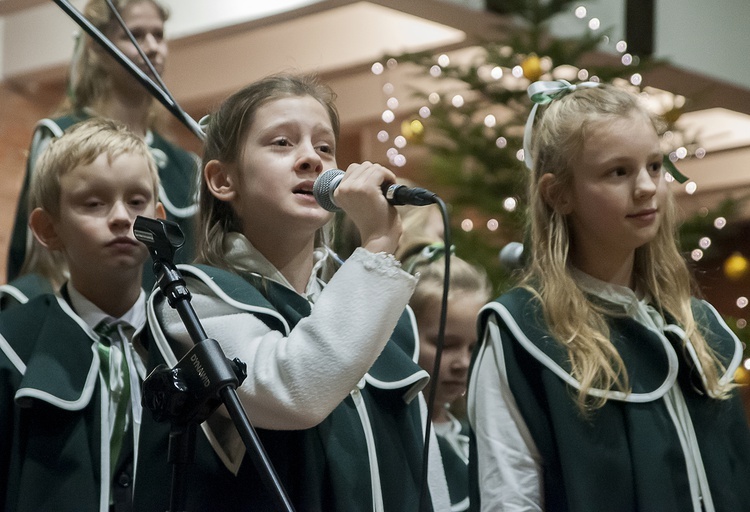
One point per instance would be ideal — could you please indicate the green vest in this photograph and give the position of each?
(51, 415)
(627, 455)
(20, 290)
(324, 468)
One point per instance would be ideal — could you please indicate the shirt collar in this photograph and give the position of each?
(635, 304)
(93, 315)
(241, 255)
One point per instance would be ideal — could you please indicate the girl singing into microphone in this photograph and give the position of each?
(333, 384)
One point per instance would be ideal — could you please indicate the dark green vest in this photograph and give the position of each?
(50, 410)
(20, 290)
(626, 456)
(324, 468)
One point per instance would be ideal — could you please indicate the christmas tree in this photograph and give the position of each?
(474, 110)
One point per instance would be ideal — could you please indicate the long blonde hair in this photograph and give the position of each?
(225, 137)
(427, 259)
(659, 269)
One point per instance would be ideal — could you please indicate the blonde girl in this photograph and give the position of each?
(601, 383)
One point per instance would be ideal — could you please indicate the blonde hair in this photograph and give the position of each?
(430, 265)
(88, 80)
(79, 145)
(659, 269)
(225, 137)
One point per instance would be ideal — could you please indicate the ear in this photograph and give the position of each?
(159, 211)
(219, 180)
(42, 224)
(554, 194)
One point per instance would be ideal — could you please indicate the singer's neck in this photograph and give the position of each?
(130, 109)
(293, 258)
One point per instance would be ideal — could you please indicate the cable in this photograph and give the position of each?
(439, 343)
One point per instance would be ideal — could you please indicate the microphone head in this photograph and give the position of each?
(324, 186)
(511, 256)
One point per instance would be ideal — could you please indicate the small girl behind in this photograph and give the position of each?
(469, 290)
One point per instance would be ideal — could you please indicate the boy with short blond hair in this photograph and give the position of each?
(70, 364)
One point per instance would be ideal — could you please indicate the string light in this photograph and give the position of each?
(510, 204)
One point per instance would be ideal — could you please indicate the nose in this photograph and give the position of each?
(309, 160)
(119, 216)
(645, 183)
(149, 44)
(461, 361)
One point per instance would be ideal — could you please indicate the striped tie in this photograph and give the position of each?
(117, 378)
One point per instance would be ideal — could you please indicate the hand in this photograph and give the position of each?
(360, 195)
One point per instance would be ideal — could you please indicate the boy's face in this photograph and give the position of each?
(98, 205)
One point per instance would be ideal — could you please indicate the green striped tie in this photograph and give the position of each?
(119, 398)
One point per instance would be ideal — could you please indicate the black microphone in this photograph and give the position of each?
(511, 256)
(327, 182)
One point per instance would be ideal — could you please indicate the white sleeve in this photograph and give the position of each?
(294, 382)
(508, 462)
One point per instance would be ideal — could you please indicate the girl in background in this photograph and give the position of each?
(600, 382)
(469, 290)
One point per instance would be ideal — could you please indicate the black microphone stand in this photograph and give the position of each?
(203, 379)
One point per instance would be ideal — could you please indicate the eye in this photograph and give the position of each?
(618, 171)
(93, 203)
(137, 202)
(283, 141)
(655, 167)
(325, 148)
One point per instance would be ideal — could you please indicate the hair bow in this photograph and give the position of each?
(428, 254)
(542, 93)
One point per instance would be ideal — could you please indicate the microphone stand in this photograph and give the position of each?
(203, 379)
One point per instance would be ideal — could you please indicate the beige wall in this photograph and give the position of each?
(18, 113)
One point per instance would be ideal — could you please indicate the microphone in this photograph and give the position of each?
(327, 182)
(511, 256)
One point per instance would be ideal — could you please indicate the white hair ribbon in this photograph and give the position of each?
(542, 93)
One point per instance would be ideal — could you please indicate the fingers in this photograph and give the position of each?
(363, 181)
(360, 195)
